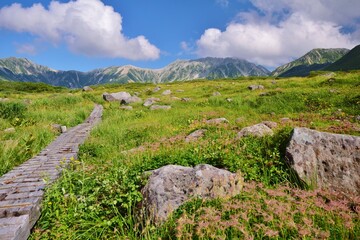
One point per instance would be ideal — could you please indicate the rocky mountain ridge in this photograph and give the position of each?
(18, 69)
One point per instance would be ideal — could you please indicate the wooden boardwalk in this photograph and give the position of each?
(22, 189)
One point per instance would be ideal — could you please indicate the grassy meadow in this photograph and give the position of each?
(98, 196)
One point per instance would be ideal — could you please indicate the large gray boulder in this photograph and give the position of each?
(119, 96)
(170, 186)
(325, 159)
(257, 130)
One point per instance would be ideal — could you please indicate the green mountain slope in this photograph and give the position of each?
(17, 69)
(351, 61)
(314, 60)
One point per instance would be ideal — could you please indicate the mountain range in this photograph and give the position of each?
(315, 60)
(23, 70)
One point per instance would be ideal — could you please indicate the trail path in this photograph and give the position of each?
(22, 189)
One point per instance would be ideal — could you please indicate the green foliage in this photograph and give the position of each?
(10, 110)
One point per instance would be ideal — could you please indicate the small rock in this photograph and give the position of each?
(258, 130)
(63, 129)
(216, 94)
(171, 186)
(87, 89)
(217, 121)
(195, 135)
(285, 120)
(270, 124)
(133, 99)
(255, 87)
(9, 130)
(156, 89)
(332, 91)
(166, 92)
(229, 100)
(272, 113)
(160, 107)
(150, 101)
(126, 108)
(119, 96)
(186, 99)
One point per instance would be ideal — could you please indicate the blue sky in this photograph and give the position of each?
(88, 34)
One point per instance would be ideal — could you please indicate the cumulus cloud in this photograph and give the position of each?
(87, 27)
(280, 30)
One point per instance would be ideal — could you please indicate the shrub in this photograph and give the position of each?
(10, 110)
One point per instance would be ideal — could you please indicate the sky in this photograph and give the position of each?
(88, 34)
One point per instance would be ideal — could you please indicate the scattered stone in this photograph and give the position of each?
(9, 130)
(87, 89)
(195, 135)
(270, 124)
(216, 94)
(186, 99)
(166, 92)
(217, 121)
(128, 108)
(119, 96)
(255, 87)
(150, 101)
(171, 186)
(326, 159)
(133, 99)
(257, 130)
(285, 120)
(160, 107)
(229, 100)
(63, 129)
(156, 89)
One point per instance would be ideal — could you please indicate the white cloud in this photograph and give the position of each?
(87, 26)
(26, 49)
(285, 30)
(223, 3)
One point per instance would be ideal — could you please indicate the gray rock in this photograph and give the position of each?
(150, 101)
(119, 96)
(255, 87)
(217, 121)
(257, 130)
(166, 92)
(229, 100)
(170, 186)
(325, 159)
(129, 108)
(156, 89)
(87, 89)
(9, 130)
(285, 120)
(160, 107)
(216, 94)
(270, 124)
(133, 99)
(195, 135)
(186, 99)
(63, 129)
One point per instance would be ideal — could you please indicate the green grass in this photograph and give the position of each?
(98, 196)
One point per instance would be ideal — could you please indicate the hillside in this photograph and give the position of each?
(351, 61)
(17, 69)
(314, 60)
